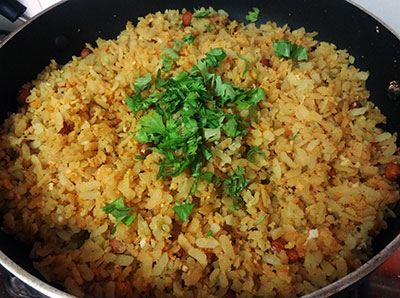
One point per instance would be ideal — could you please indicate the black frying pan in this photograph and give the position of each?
(63, 31)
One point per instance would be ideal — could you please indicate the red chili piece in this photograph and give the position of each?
(293, 256)
(277, 245)
(22, 95)
(265, 62)
(144, 149)
(355, 105)
(392, 171)
(187, 18)
(86, 52)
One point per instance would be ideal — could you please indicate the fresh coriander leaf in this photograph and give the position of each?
(160, 82)
(217, 181)
(282, 48)
(206, 152)
(150, 128)
(208, 27)
(140, 157)
(285, 49)
(260, 220)
(224, 90)
(255, 150)
(208, 176)
(201, 14)
(137, 103)
(177, 45)
(170, 53)
(234, 207)
(188, 38)
(190, 111)
(183, 211)
(255, 96)
(293, 137)
(235, 184)
(247, 63)
(252, 113)
(120, 212)
(231, 128)
(212, 134)
(213, 57)
(210, 234)
(299, 53)
(167, 63)
(142, 83)
(252, 16)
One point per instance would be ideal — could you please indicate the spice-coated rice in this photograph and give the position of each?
(321, 188)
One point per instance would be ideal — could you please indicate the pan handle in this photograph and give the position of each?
(11, 9)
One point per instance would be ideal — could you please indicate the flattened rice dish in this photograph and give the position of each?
(195, 156)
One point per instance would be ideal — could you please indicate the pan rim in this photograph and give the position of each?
(378, 19)
(31, 280)
(335, 287)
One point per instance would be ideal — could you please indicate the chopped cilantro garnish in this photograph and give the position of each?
(136, 102)
(260, 220)
(210, 234)
(167, 63)
(285, 49)
(189, 113)
(184, 210)
(208, 27)
(249, 64)
(177, 45)
(120, 212)
(201, 14)
(293, 137)
(234, 185)
(208, 176)
(188, 39)
(252, 16)
(142, 83)
(170, 55)
(140, 157)
(254, 150)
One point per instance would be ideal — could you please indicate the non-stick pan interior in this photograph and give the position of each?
(64, 30)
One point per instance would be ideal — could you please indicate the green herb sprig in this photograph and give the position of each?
(121, 212)
(189, 38)
(249, 65)
(260, 220)
(285, 49)
(189, 114)
(252, 16)
(234, 185)
(201, 14)
(183, 211)
(255, 150)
